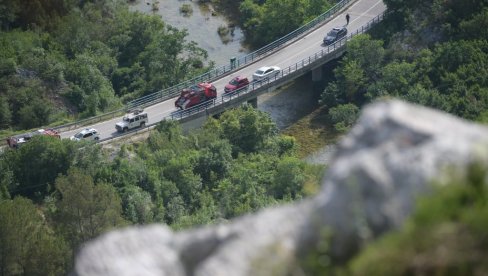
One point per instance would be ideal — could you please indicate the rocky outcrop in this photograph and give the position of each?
(388, 159)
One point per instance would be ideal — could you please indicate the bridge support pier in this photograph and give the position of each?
(317, 74)
(253, 102)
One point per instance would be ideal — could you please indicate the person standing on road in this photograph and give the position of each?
(347, 19)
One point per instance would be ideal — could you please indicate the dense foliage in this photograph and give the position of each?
(234, 165)
(437, 55)
(61, 59)
(264, 21)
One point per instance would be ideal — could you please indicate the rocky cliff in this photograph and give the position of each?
(387, 160)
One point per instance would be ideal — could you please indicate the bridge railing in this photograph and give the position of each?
(213, 74)
(177, 115)
(253, 86)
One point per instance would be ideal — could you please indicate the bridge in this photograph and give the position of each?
(297, 53)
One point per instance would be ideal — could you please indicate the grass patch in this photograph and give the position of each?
(312, 132)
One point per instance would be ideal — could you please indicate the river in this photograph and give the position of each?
(201, 25)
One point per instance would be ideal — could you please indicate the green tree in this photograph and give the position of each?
(368, 53)
(137, 205)
(246, 188)
(34, 114)
(475, 27)
(5, 113)
(343, 116)
(91, 91)
(247, 129)
(214, 162)
(266, 21)
(179, 170)
(27, 245)
(352, 81)
(33, 176)
(289, 178)
(206, 213)
(85, 210)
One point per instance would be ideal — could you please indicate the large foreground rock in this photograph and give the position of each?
(388, 159)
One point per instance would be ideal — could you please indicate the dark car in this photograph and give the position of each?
(334, 35)
(236, 83)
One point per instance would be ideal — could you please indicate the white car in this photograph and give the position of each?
(138, 118)
(88, 134)
(266, 72)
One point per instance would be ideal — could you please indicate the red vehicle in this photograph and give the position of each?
(196, 94)
(17, 140)
(236, 83)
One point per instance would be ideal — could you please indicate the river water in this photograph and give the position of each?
(202, 25)
(285, 105)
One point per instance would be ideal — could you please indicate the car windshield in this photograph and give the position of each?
(234, 82)
(181, 100)
(126, 119)
(259, 72)
(333, 33)
(79, 135)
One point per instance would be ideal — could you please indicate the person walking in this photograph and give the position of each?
(347, 19)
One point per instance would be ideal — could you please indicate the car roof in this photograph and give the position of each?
(338, 28)
(132, 115)
(87, 130)
(264, 68)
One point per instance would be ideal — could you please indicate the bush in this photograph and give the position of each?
(343, 116)
(186, 9)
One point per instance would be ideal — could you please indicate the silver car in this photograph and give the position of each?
(266, 72)
(88, 134)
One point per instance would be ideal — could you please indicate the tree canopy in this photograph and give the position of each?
(84, 57)
(436, 56)
(183, 180)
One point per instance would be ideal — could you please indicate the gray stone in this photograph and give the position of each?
(378, 170)
(133, 251)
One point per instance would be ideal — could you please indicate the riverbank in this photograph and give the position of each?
(314, 135)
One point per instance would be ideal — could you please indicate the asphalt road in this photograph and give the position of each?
(360, 13)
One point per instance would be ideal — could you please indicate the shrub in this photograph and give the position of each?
(186, 9)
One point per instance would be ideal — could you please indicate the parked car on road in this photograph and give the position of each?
(266, 72)
(236, 83)
(18, 140)
(137, 118)
(334, 35)
(88, 134)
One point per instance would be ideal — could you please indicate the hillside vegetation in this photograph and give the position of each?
(264, 21)
(66, 193)
(91, 56)
(62, 60)
(434, 53)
